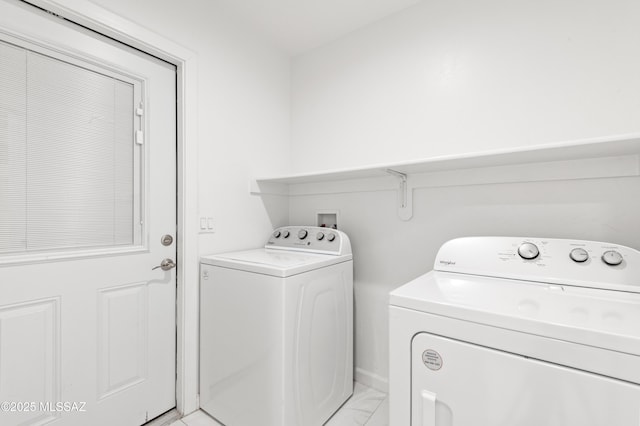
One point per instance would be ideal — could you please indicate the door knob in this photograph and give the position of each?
(166, 265)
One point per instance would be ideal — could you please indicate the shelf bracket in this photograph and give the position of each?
(405, 195)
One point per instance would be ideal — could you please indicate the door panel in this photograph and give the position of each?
(122, 337)
(460, 384)
(29, 355)
(84, 320)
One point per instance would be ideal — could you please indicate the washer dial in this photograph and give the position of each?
(285, 234)
(331, 237)
(579, 255)
(319, 236)
(612, 257)
(276, 234)
(528, 251)
(302, 234)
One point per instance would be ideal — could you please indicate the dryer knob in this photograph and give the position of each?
(319, 236)
(285, 234)
(579, 255)
(612, 257)
(277, 234)
(331, 237)
(302, 234)
(528, 251)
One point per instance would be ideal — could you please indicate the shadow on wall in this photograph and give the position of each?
(277, 208)
(389, 252)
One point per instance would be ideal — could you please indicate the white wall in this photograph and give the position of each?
(452, 76)
(440, 77)
(389, 252)
(244, 106)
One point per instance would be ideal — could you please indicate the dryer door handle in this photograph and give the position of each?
(428, 408)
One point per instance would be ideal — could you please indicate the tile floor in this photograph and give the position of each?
(366, 407)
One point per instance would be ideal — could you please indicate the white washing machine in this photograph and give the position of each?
(518, 332)
(276, 330)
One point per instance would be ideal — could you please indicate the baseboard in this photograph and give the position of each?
(372, 380)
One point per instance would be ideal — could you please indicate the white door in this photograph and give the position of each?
(87, 190)
(460, 384)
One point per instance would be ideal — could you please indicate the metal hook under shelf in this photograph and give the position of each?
(405, 195)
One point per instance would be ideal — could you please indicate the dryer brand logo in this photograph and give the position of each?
(447, 262)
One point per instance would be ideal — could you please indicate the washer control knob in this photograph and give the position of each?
(319, 236)
(612, 257)
(331, 237)
(579, 255)
(285, 234)
(302, 234)
(277, 234)
(528, 251)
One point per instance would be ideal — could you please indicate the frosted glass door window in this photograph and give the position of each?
(68, 162)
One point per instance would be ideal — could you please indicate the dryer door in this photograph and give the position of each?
(457, 383)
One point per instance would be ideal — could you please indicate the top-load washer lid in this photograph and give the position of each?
(290, 250)
(575, 291)
(277, 263)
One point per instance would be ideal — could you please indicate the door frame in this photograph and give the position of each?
(123, 30)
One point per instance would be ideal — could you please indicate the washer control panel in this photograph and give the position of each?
(571, 262)
(313, 239)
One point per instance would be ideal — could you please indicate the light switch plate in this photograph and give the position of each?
(206, 225)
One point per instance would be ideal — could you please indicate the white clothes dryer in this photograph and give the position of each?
(518, 331)
(276, 330)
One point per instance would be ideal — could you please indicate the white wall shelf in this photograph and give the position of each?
(583, 159)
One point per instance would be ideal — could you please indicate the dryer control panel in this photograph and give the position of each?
(557, 261)
(313, 239)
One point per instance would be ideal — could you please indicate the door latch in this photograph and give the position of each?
(166, 265)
